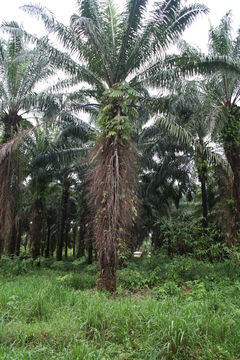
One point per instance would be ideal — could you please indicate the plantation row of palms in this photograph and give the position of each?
(103, 185)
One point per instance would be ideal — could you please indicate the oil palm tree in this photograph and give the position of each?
(192, 109)
(114, 53)
(190, 120)
(21, 69)
(46, 158)
(39, 182)
(224, 90)
(222, 65)
(166, 177)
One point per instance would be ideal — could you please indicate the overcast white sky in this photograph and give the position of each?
(197, 34)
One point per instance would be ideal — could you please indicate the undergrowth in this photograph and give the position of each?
(163, 309)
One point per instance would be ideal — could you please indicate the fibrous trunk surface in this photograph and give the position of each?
(112, 198)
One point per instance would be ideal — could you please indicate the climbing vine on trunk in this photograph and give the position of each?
(231, 142)
(112, 182)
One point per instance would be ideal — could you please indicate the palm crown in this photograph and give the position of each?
(21, 70)
(108, 46)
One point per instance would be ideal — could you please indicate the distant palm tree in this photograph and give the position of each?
(222, 64)
(166, 177)
(224, 90)
(21, 70)
(50, 151)
(192, 109)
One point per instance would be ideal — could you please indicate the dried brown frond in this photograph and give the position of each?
(5, 195)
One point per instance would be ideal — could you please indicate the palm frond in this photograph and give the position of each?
(63, 33)
(79, 131)
(62, 156)
(177, 131)
(131, 23)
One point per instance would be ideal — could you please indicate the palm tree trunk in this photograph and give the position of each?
(47, 252)
(1, 246)
(8, 200)
(90, 251)
(37, 228)
(81, 235)
(63, 216)
(53, 244)
(74, 239)
(111, 199)
(204, 204)
(12, 238)
(5, 201)
(236, 197)
(44, 239)
(66, 236)
(230, 136)
(201, 164)
(233, 157)
(19, 238)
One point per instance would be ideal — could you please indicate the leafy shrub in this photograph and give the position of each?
(15, 265)
(79, 281)
(181, 235)
(132, 279)
(170, 288)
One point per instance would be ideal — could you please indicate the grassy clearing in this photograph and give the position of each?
(183, 309)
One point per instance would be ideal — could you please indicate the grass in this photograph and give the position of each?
(180, 309)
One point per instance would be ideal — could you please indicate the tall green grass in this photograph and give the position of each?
(181, 310)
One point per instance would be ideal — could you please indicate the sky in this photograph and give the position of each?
(197, 34)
